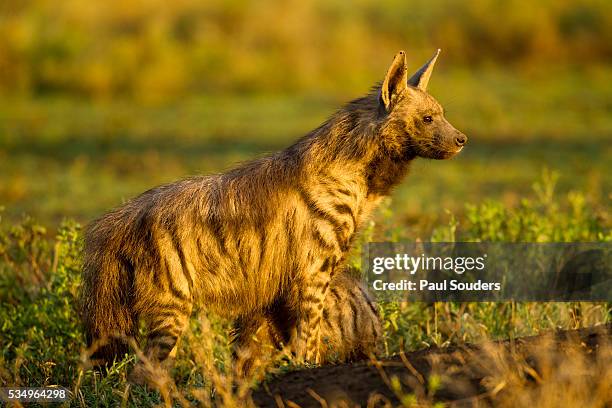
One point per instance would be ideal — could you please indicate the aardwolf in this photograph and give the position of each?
(274, 229)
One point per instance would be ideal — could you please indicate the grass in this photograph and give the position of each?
(65, 161)
(40, 337)
(70, 158)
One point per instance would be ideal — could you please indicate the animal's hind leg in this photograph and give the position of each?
(260, 336)
(255, 340)
(164, 334)
(165, 303)
(165, 328)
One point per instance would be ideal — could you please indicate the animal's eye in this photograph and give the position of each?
(427, 119)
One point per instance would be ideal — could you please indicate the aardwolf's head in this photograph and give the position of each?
(415, 124)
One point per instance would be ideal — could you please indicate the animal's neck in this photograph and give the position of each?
(351, 146)
(344, 164)
(348, 135)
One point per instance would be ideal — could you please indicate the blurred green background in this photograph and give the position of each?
(103, 100)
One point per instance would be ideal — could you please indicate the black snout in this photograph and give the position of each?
(460, 140)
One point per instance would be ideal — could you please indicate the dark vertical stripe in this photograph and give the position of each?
(179, 250)
(366, 298)
(218, 233)
(316, 211)
(340, 324)
(336, 296)
(354, 315)
(263, 237)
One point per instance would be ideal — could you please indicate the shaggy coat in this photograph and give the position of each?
(274, 228)
(350, 328)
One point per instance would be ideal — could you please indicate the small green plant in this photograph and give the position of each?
(542, 218)
(41, 341)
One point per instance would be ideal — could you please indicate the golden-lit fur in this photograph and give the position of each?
(350, 328)
(271, 230)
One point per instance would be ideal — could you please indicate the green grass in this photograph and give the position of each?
(71, 160)
(41, 341)
(67, 158)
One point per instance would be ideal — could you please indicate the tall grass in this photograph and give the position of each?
(41, 340)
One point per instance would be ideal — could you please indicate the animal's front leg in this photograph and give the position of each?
(312, 301)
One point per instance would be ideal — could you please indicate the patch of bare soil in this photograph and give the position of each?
(470, 375)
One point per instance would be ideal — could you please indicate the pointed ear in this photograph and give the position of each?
(395, 81)
(421, 77)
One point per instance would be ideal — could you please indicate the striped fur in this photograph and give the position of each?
(350, 328)
(273, 228)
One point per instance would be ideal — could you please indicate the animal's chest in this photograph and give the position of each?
(332, 223)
